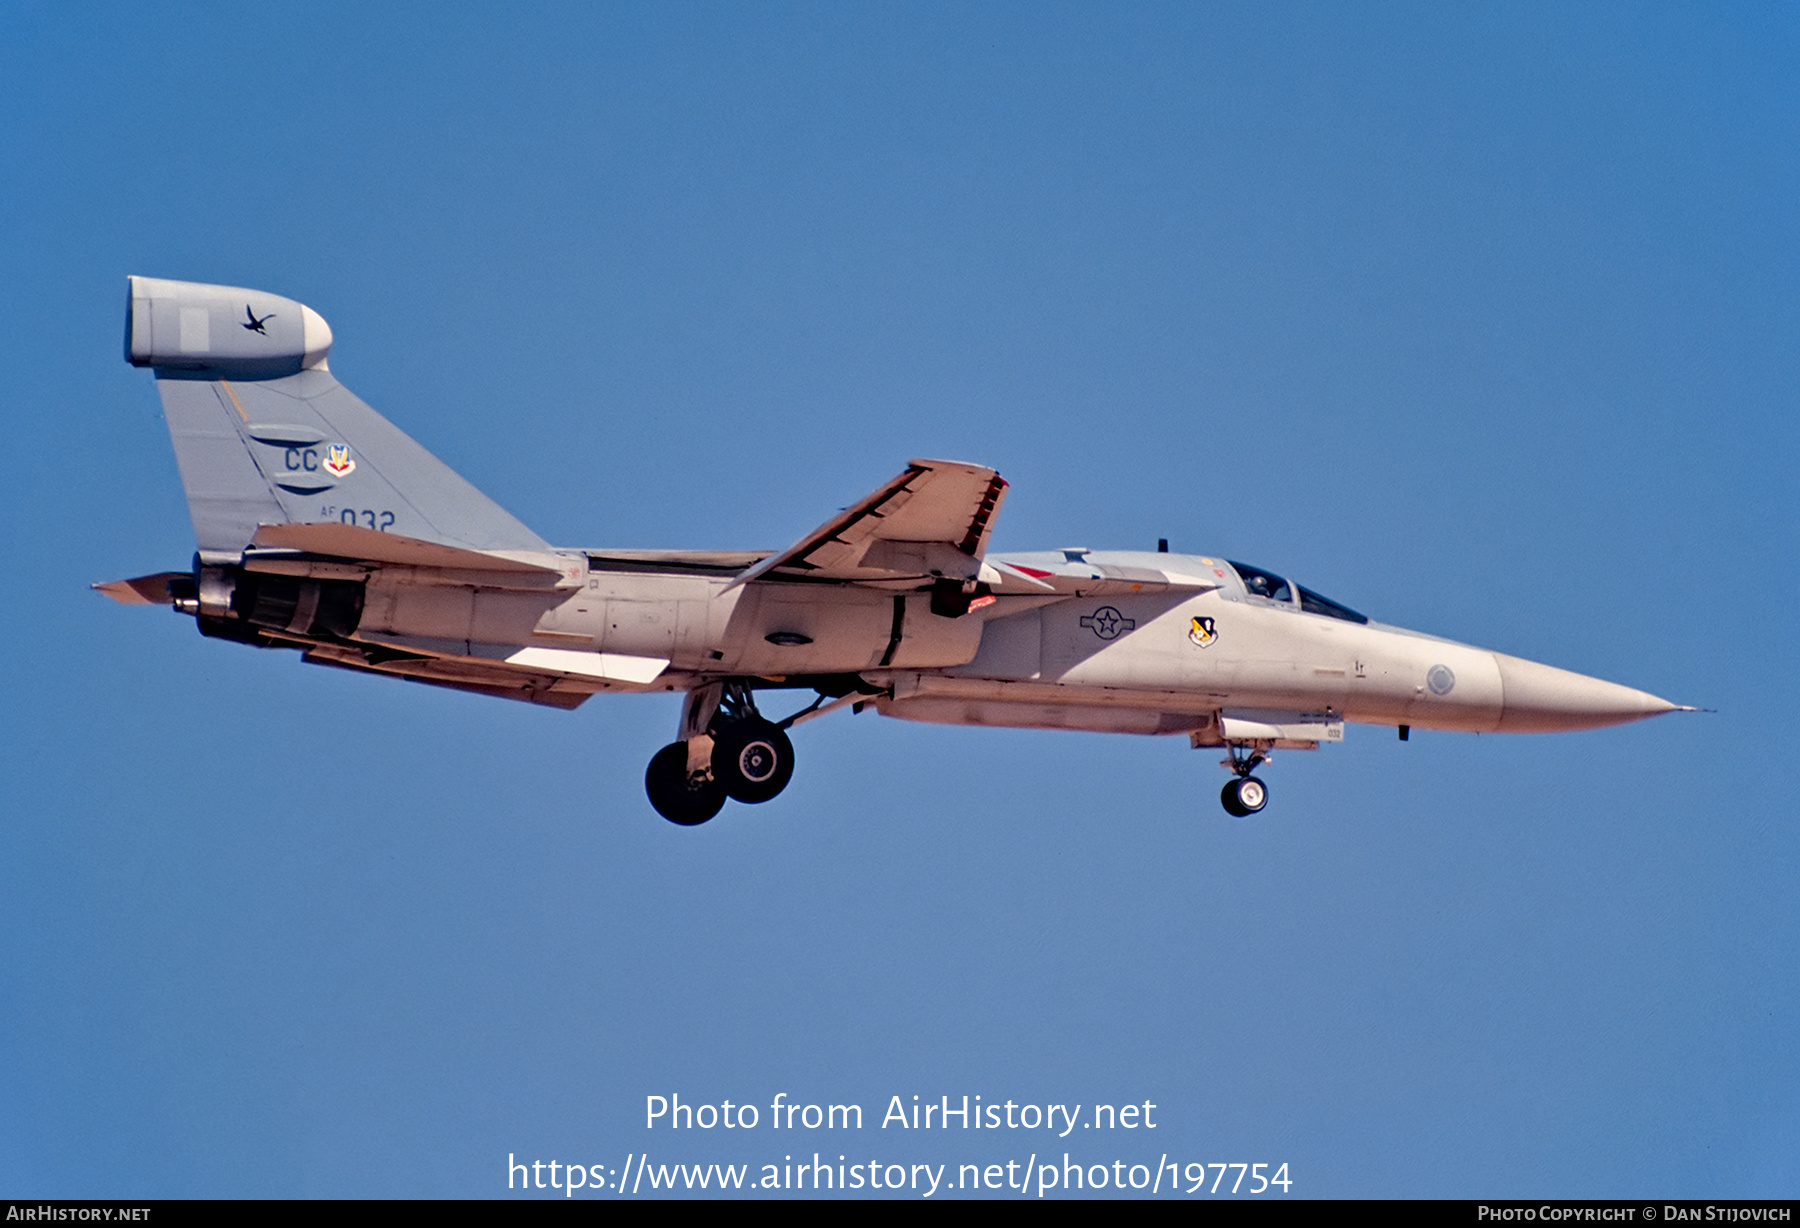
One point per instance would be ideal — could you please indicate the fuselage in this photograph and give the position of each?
(1108, 654)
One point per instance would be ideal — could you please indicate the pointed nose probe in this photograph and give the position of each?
(1543, 699)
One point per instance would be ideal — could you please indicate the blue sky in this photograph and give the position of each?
(1479, 321)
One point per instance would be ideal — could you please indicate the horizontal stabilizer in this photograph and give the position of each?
(934, 520)
(348, 541)
(506, 660)
(145, 590)
(456, 676)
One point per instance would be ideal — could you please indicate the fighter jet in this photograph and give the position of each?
(322, 528)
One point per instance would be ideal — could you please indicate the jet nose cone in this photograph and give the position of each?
(1543, 699)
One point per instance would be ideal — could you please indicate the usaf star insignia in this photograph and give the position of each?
(1108, 623)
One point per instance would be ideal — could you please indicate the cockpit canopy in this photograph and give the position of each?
(1271, 587)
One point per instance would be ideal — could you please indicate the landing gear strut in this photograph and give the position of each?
(1246, 794)
(727, 749)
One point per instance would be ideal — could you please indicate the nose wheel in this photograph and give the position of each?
(1246, 795)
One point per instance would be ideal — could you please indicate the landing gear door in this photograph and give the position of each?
(1284, 729)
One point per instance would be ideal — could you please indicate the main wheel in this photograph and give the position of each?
(677, 796)
(752, 760)
(1244, 796)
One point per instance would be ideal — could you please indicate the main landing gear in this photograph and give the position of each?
(679, 795)
(1244, 795)
(727, 750)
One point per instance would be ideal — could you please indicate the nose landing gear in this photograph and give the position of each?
(1245, 795)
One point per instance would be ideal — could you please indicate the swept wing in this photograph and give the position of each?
(932, 521)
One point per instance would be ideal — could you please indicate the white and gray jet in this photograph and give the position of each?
(322, 528)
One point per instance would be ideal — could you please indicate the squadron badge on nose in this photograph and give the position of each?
(1200, 630)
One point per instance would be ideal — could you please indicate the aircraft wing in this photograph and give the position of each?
(932, 520)
(347, 541)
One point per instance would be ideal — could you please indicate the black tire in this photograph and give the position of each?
(678, 797)
(1244, 797)
(752, 760)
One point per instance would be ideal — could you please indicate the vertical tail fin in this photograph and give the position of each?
(264, 434)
